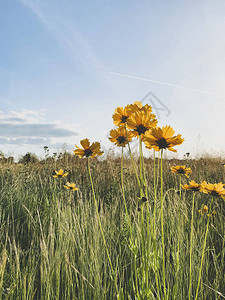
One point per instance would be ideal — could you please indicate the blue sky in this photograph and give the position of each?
(56, 58)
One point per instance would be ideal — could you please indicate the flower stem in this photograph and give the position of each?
(157, 176)
(154, 175)
(143, 168)
(124, 199)
(154, 208)
(203, 252)
(70, 200)
(162, 229)
(191, 245)
(100, 226)
(140, 156)
(135, 171)
(179, 229)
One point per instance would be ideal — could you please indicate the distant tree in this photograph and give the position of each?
(3, 159)
(28, 158)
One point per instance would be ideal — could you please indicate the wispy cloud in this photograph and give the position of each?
(68, 37)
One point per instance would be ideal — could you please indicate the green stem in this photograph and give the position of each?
(178, 233)
(70, 199)
(100, 226)
(140, 157)
(154, 175)
(203, 252)
(179, 217)
(54, 193)
(180, 196)
(143, 169)
(154, 208)
(162, 229)
(191, 245)
(124, 199)
(135, 171)
(157, 176)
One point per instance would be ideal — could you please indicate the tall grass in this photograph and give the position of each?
(51, 244)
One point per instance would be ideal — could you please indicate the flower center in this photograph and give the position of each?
(87, 152)
(121, 140)
(195, 188)
(181, 171)
(141, 129)
(162, 143)
(124, 119)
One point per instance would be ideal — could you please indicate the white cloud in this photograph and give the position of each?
(29, 127)
(24, 116)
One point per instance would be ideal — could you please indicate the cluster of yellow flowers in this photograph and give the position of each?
(62, 174)
(136, 120)
(205, 211)
(215, 190)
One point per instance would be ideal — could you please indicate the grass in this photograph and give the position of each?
(51, 244)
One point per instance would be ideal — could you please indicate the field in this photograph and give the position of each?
(108, 242)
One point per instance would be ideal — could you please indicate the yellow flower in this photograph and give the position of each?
(181, 170)
(70, 186)
(216, 189)
(60, 174)
(204, 210)
(138, 106)
(120, 136)
(193, 186)
(162, 139)
(88, 150)
(141, 122)
(121, 115)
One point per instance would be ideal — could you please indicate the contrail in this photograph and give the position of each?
(166, 83)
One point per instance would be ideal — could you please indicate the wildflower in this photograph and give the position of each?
(162, 139)
(60, 174)
(88, 150)
(138, 106)
(204, 210)
(193, 186)
(70, 186)
(121, 115)
(120, 136)
(216, 189)
(181, 170)
(141, 122)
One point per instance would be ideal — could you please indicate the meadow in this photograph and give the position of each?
(126, 229)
